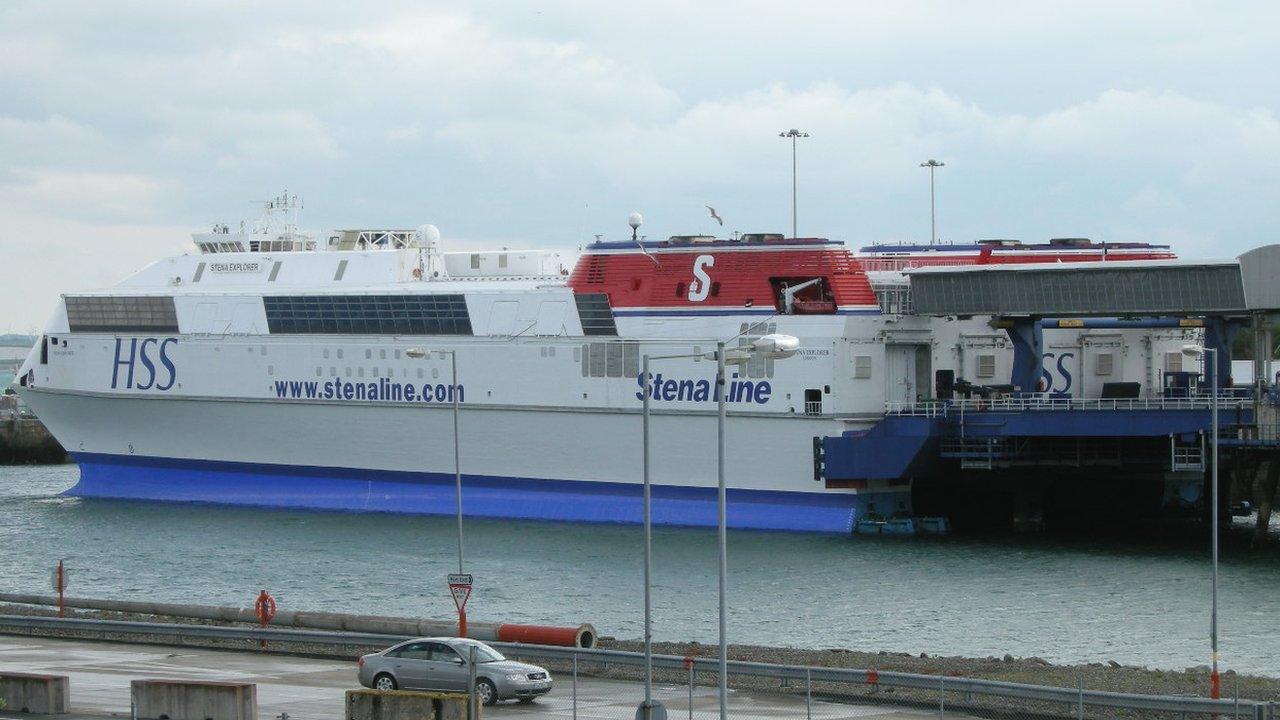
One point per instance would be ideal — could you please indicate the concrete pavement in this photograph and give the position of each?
(309, 689)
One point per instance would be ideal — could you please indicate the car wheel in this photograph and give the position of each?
(384, 681)
(486, 692)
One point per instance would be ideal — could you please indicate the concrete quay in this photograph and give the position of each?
(312, 689)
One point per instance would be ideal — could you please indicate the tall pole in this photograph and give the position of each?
(1215, 681)
(648, 551)
(457, 481)
(457, 454)
(795, 135)
(794, 231)
(721, 388)
(933, 214)
(933, 211)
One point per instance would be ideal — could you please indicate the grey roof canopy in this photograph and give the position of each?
(1260, 269)
(1174, 287)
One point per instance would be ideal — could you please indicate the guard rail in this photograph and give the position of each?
(1259, 710)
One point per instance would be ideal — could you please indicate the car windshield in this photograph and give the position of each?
(484, 653)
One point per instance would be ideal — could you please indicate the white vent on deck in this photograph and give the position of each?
(1106, 363)
(986, 366)
(861, 367)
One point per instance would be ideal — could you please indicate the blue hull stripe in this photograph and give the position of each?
(355, 490)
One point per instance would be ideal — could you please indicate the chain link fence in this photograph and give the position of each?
(606, 685)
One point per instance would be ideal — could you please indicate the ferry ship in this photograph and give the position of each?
(272, 369)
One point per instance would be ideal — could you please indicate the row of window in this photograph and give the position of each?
(596, 314)
(894, 299)
(368, 314)
(320, 314)
(610, 359)
(122, 314)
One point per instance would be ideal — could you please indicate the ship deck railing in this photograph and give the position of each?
(1227, 400)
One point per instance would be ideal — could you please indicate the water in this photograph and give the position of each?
(1133, 600)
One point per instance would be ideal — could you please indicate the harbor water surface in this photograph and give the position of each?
(1134, 599)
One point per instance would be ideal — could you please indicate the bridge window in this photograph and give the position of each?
(894, 299)
(368, 314)
(122, 314)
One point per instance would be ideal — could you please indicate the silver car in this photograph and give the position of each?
(441, 664)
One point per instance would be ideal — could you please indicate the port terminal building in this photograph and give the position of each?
(1119, 449)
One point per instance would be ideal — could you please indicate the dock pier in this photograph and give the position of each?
(25, 440)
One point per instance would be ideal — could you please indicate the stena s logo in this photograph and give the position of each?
(701, 285)
(144, 364)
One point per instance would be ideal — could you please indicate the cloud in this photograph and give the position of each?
(514, 124)
(85, 195)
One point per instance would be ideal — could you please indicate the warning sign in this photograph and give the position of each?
(460, 589)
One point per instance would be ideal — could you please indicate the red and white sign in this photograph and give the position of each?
(460, 589)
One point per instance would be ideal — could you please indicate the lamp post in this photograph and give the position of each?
(1215, 680)
(933, 217)
(457, 457)
(794, 134)
(773, 346)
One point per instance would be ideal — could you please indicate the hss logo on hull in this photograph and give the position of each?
(146, 364)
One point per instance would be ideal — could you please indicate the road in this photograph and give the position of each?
(310, 689)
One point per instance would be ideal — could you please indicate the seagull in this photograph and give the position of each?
(714, 216)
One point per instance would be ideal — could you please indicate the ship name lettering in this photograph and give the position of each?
(144, 365)
(690, 390)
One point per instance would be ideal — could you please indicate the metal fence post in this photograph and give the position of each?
(473, 711)
(575, 686)
(1080, 703)
(942, 696)
(691, 672)
(1235, 714)
(808, 694)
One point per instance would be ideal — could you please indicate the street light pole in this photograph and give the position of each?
(1215, 680)
(933, 217)
(723, 535)
(772, 346)
(457, 459)
(647, 710)
(1210, 355)
(794, 134)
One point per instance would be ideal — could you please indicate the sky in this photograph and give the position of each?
(126, 126)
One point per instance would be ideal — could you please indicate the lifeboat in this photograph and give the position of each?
(801, 306)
